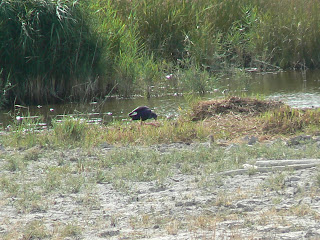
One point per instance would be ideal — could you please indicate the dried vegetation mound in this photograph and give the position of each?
(248, 106)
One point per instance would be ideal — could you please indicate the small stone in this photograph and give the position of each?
(106, 145)
(191, 203)
(73, 159)
(110, 233)
(291, 190)
(298, 140)
(250, 139)
(157, 189)
(294, 179)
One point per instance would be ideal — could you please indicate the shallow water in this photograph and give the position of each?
(295, 88)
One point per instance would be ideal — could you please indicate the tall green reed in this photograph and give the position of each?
(122, 49)
(46, 48)
(287, 33)
(57, 50)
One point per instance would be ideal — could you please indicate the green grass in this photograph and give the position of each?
(208, 119)
(38, 179)
(287, 120)
(276, 182)
(120, 166)
(36, 230)
(77, 132)
(70, 230)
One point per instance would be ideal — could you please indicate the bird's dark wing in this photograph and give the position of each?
(142, 113)
(139, 110)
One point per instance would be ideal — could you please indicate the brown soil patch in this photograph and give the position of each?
(247, 106)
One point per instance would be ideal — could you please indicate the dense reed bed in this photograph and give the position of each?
(55, 51)
(48, 51)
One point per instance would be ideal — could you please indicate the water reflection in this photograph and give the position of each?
(277, 83)
(287, 82)
(299, 100)
(294, 88)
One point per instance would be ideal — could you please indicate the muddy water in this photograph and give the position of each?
(297, 89)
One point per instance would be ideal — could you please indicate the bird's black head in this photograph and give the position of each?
(153, 115)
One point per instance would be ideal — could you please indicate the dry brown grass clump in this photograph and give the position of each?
(248, 106)
(236, 117)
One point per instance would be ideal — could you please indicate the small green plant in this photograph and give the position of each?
(24, 131)
(32, 154)
(223, 199)
(70, 130)
(29, 198)
(132, 165)
(9, 185)
(100, 176)
(194, 80)
(303, 210)
(277, 200)
(209, 183)
(317, 179)
(30, 204)
(70, 230)
(74, 183)
(53, 179)
(35, 230)
(14, 163)
(276, 182)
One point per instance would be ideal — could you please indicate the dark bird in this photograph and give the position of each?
(142, 113)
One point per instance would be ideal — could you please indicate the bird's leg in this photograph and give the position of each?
(155, 123)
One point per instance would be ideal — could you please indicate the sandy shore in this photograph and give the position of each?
(273, 204)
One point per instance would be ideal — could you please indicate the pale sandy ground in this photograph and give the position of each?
(239, 206)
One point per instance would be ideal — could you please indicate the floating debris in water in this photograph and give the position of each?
(169, 76)
(20, 106)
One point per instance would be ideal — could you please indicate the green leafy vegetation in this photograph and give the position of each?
(52, 51)
(48, 51)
